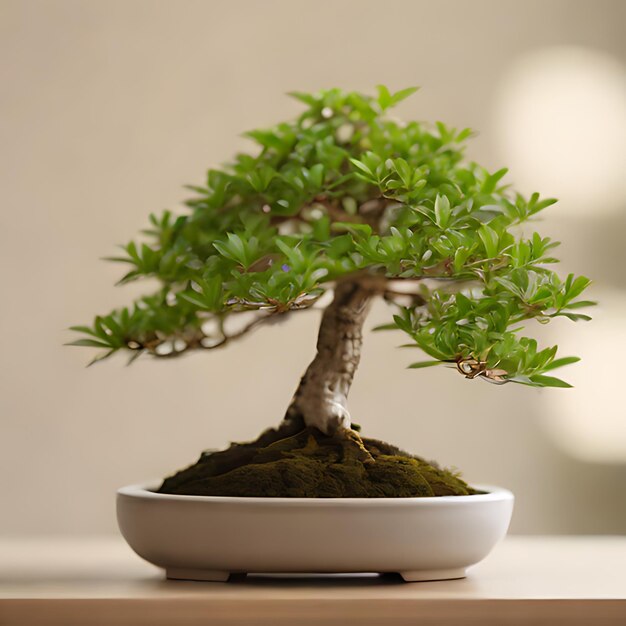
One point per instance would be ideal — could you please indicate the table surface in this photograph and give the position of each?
(526, 580)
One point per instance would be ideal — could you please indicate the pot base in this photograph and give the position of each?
(217, 576)
(206, 575)
(434, 574)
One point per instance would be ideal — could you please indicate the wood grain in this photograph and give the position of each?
(527, 580)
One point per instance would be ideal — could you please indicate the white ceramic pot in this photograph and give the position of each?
(211, 537)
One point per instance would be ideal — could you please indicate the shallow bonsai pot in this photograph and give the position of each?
(211, 537)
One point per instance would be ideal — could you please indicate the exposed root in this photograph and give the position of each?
(352, 446)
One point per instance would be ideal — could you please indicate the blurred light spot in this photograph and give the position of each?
(560, 122)
(344, 133)
(179, 345)
(589, 421)
(211, 327)
(165, 348)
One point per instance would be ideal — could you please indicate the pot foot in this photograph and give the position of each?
(413, 576)
(216, 576)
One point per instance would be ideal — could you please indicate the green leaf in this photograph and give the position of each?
(402, 95)
(442, 211)
(422, 364)
(574, 317)
(492, 180)
(535, 205)
(361, 166)
(84, 329)
(567, 360)
(405, 172)
(384, 97)
(576, 286)
(316, 175)
(581, 303)
(387, 100)
(193, 298)
(91, 343)
(101, 357)
(307, 98)
(490, 240)
(364, 230)
(385, 327)
(548, 381)
(460, 256)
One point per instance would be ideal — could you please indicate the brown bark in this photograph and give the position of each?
(321, 398)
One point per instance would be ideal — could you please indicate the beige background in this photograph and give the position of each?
(109, 107)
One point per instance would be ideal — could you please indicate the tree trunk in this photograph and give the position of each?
(321, 397)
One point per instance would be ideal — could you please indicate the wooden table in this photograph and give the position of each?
(527, 580)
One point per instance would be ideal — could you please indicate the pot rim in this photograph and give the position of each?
(146, 491)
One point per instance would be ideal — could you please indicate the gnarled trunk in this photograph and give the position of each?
(321, 397)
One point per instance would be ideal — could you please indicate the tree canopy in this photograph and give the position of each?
(346, 189)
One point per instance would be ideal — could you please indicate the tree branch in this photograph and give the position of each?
(195, 342)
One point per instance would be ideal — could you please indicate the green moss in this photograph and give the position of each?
(309, 464)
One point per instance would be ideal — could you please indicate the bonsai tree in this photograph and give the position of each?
(348, 201)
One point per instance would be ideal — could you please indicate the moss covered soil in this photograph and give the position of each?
(309, 464)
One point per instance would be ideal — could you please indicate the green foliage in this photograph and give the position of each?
(344, 189)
